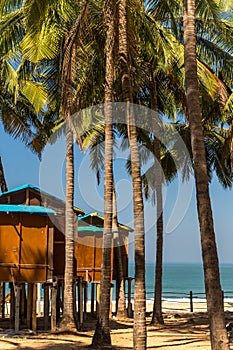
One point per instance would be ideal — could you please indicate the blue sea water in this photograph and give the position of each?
(178, 280)
(181, 278)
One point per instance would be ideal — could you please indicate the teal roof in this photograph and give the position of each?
(23, 208)
(121, 226)
(90, 229)
(87, 216)
(24, 187)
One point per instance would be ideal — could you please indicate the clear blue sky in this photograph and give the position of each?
(182, 243)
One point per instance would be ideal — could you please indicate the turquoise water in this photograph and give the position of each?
(179, 279)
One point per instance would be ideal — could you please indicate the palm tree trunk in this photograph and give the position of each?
(68, 67)
(68, 319)
(139, 338)
(2, 178)
(215, 307)
(157, 316)
(102, 336)
(121, 304)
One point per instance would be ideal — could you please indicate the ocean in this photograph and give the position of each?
(178, 280)
(181, 278)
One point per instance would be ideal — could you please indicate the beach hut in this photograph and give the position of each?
(88, 251)
(88, 247)
(32, 243)
(26, 243)
(31, 224)
(31, 235)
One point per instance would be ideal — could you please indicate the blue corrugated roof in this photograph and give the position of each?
(23, 187)
(90, 229)
(121, 226)
(87, 216)
(23, 208)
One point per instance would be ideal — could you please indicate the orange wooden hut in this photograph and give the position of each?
(32, 240)
(88, 247)
(31, 227)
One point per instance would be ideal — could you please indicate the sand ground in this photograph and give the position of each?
(182, 330)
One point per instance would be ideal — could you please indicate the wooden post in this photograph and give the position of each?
(46, 306)
(50, 233)
(34, 307)
(3, 299)
(53, 306)
(17, 307)
(80, 301)
(58, 301)
(75, 299)
(110, 308)
(1, 296)
(29, 305)
(130, 312)
(62, 297)
(85, 289)
(22, 303)
(12, 304)
(191, 301)
(97, 299)
(223, 296)
(38, 299)
(92, 298)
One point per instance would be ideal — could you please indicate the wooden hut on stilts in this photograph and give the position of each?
(32, 255)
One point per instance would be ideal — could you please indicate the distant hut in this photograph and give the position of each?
(88, 248)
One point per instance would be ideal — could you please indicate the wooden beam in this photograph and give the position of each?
(80, 301)
(92, 298)
(3, 299)
(110, 307)
(53, 306)
(29, 305)
(38, 299)
(22, 303)
(97, 299)
(46, 306)
(17, 307)
(12, 304)
(130, 311)
(34, 307)
(85, 293)
(50, 239)
(27, 196)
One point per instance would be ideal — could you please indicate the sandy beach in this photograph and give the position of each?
(182, 330)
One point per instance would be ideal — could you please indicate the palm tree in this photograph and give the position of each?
(120, 296)
(102, 336)
(215, 305)
(139, 338)
(3, 184)
(50, 46)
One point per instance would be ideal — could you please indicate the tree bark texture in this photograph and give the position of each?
(102, 336)
(121, 303)
(68, 319)
(139, 337)
(215, 307)
(3, 184)
(157, 316)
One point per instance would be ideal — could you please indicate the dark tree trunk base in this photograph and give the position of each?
(157, 319)
(121, 316)
(101, 338)
(68, 324)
